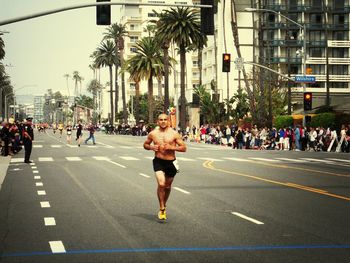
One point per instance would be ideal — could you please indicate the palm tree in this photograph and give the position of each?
(67, 77)
(94, 88)
(77, 79)
(146, 64)
(117, 32)
(132, 66)
(182, 27)
(239, 54)
(105, 57)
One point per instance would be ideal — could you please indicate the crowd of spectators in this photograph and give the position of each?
(297, 138)
(11, 137)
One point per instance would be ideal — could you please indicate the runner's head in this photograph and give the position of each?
(163, 121)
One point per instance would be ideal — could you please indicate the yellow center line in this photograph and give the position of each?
(209, 165)
(297, 168)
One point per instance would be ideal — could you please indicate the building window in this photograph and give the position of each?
(133, 39)
(152, 15)
(133, 49)
(134, 27)
(338, 85)
(340, 52)
(316, 18)
(318, 69)
(316, 52)
(338, 70)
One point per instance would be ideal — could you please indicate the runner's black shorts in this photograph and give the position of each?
(167, 166)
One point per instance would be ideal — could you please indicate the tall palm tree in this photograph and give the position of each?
(67, 77)
(2, 47)
(234, 27)
(117, 32)
(77, 79)
(132, 66)
(146, 64)
(105, 57)
(181, 26)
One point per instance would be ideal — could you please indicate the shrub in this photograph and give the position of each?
(283, 121)
(323, 120)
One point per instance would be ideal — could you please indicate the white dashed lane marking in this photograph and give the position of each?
(144, 175)
(182, 190)
(49, 221)
(37, 177)
(247, 218)
(45, 204)
(57, 247)
(39, 184)
(42, 192)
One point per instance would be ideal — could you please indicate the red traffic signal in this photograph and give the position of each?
(226, 62)
(307, 101)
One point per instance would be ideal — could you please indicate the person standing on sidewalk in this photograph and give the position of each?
(28, 137)
(164, 141)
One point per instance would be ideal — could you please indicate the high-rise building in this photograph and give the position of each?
(280, 43)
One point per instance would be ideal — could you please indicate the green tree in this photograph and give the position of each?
(240, 101)
(94, 87)
(117, 32)
(77, 79)
(182, 27)
(146, 64)
(105, 57)
(211, 111)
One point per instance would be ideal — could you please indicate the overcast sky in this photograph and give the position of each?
(41, 50)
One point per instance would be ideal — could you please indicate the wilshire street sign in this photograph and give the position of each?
(305, 79)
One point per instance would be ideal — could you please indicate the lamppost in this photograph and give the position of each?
(6, 107)
(302, 34)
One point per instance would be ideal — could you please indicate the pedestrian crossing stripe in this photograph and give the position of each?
(265, 160)
(37, 146)
(209, 159)
(129, 158)
(338, 160)
(73, 159)
(56, 146)
(185, 159)
(292, 160)
(236, 159)
(45, 159)
(329, 161)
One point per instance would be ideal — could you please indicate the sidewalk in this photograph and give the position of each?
(4, 164)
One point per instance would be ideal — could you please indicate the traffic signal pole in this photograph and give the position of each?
(63, 9)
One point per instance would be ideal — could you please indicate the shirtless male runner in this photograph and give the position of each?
(164, 141)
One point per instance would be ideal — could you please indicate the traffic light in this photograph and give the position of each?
(226, 62)
(207, 18)
(103, 13)
(307, 101)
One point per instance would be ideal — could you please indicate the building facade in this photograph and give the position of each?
(279, 43)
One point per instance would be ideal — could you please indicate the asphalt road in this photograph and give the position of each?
(98, 204)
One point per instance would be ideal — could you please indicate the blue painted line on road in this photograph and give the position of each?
(177, 249)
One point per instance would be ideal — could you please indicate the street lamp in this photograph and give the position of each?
(6, 107)
(302, 33)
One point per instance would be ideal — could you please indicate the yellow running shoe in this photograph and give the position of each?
(162, 214)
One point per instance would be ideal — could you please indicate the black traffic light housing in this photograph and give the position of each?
(207, 18)
(307, 101)
(226, 62)
(103, 13)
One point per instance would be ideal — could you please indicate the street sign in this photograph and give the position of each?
(239, 63)
(305, 79)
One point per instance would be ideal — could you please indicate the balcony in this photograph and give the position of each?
(338, 43)
(343, 9)
(316, 60)
(339, 61)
